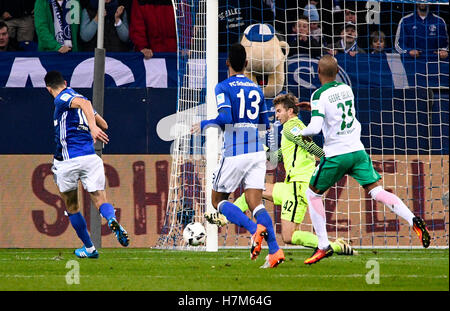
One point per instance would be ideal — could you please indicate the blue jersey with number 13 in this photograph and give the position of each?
(248, 110)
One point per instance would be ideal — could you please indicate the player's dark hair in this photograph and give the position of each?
(54, 79)
(237, 57)
(3, 24)
(288, 101)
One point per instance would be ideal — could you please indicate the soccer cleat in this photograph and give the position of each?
(256, 241)
(216, 218)
(319, 254)
(420, 228)
(119, 231)
(83, 253)
(273, 260)
(346, 248)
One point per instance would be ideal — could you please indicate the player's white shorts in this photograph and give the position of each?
(89, 169)
(249, 168)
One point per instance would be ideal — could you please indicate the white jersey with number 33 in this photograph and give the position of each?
(335, 102)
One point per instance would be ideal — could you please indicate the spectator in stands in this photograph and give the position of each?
(57, 25)
(116, 34)
(348, 41)
(7, 44)
(236, 15)
(377, 42)
(127, 5)
(301, 41)
(312, 13)
(18, 15)
(337, 5)
(310, 10)
(152, 27)
(422, 32)
(349, 16)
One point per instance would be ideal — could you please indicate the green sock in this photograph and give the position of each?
(241, 203)
(309, 239)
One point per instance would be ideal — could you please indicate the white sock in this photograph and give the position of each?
(318, 219)
(393, 202)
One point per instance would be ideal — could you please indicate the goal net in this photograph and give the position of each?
(401, 99)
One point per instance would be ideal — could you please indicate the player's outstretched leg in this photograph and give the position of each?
(119, 231)
(309, 239)
(107, 211)
(398, 207)
(420, 228)
(79, 224)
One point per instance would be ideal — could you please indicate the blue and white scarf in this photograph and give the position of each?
(354, 47)
(63, 33)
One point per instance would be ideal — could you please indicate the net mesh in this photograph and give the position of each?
(186, 199)
(402, 103)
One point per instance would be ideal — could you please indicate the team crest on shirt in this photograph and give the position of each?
(432, 28)
(295, 131)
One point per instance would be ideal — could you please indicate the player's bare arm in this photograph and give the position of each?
(86, 107)
(101, 123)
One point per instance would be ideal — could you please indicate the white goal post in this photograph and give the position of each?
(212, 144)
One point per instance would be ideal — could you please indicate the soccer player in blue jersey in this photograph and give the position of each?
(242, 113)
(77, 128)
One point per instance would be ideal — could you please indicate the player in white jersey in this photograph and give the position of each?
(242, 112)
(333, 113)
(77, 127)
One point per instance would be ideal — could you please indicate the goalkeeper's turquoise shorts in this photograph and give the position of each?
(292, 198)
(356, 164)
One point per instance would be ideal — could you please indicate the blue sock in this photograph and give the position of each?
(107, 211)
(263, 218)
(79, 224)
(236, 216)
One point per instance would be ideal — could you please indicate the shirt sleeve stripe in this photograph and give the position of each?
(316, 113)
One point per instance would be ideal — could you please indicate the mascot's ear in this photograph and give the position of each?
(304, 106)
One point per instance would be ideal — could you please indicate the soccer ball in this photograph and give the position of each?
(194, 234)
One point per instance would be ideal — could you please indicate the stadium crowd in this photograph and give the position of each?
(311, 27)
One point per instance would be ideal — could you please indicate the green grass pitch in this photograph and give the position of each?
(225, 270)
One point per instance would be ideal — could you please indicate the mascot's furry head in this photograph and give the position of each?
(266, 60)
